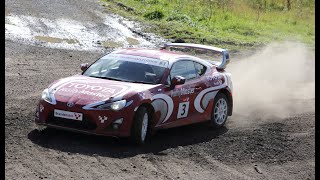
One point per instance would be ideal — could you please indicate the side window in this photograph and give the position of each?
(168, 81)
(201, 69)
(185, 69)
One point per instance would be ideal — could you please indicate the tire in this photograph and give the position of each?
(219, 111)
(140, 126)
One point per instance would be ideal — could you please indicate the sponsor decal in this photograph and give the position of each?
(74, 91)
(181, 91)
(212, 78)
(138, 59)
(81, 86)
(92, 90)
(91, 87)
(162, 63)
(208, 94)
(78, 116)
(70, 104)
(216, 80)
(68, 115)
(102, 118)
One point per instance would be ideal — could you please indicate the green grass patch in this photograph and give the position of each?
(232, 24)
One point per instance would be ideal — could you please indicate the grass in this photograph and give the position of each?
(231, 24)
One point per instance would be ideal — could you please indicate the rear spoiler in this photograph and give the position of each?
(224, 52)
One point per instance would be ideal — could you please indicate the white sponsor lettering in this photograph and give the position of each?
(181, 91)
(80, 86)
(209, 97)
(218, 82)
(74, 91)
(213, 78)
(68, 115)
(138, 59)
(92, 93)
(69, 90)
(91, 87)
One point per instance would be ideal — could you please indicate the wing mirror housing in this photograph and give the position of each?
(84, 66)
(177, 80)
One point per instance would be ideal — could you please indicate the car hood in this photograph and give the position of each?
(85, 90)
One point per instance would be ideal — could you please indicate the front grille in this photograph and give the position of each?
(85, 124)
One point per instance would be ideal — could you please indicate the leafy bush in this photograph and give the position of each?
(179, 17)
(148, 1)
(154, 15)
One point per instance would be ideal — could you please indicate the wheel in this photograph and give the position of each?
(139, 129)
(220, 111)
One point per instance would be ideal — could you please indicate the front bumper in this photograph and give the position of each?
(98, 122)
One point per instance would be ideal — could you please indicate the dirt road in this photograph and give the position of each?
(47, 40)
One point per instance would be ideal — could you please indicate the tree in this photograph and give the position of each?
(288, 4)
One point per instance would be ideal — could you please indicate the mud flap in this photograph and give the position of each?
(208, 111)
(155, 122)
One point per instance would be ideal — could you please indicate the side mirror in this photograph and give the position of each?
(84, 66)
(177, 80)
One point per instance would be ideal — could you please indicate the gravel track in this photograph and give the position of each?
(277, 149)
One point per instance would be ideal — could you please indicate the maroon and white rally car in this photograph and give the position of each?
(133, 92)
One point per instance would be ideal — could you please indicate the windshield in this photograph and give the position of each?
(128, 68)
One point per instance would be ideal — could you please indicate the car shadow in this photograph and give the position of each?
(71, 142)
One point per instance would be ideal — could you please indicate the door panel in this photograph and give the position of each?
(183, 96)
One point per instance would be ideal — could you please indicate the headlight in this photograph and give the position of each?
(116, 106)
(46, 96)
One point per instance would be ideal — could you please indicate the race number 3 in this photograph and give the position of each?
(183, 110)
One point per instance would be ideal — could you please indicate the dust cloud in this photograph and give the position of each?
(275, 82)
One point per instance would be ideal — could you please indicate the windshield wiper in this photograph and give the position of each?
(143, 82)
(107, 78)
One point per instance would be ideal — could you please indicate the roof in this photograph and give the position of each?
(197, 46)
(158, 54)
(152, 53)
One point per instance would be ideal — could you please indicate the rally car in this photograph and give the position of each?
(132, 92)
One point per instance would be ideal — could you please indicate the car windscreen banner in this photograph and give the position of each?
(138, 59)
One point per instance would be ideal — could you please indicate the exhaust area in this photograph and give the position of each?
(273, 83)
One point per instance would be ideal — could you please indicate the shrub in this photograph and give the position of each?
(154, 15)
(179, 17)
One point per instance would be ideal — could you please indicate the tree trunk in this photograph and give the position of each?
(288, 4)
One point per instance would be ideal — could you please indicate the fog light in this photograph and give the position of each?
(116, 124)
(118, 121)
